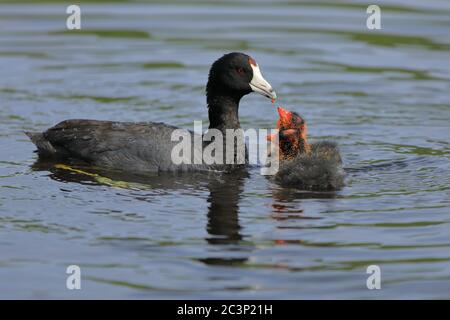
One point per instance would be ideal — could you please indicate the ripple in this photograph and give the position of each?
(105, 33)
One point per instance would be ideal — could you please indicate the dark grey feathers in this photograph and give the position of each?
(319, 170)
(130, 146)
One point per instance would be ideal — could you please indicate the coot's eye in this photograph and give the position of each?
(240, 70)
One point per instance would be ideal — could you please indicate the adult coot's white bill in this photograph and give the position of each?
(147, 147)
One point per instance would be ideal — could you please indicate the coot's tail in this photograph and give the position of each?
(44, 147)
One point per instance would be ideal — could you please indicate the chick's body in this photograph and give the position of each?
(315, 167)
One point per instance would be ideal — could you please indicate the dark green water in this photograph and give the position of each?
(384, 96)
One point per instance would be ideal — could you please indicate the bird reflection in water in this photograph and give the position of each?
(225, 190)
(287, 209)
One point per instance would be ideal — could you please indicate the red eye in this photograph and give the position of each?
(240, 70)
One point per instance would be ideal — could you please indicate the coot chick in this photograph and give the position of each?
(147, 146)
(315, 167)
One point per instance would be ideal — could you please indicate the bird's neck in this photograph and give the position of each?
(223, 110)
(290, 151)
(305, 146)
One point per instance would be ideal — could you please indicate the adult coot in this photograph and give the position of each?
(316, 166)
(147, 146)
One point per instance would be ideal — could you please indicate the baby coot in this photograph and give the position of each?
(315, 167)
(147, 146)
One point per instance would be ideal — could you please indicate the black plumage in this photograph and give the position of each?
(147, 147)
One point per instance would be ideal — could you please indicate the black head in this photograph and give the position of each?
(237, 74)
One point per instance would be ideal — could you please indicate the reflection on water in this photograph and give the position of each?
(382, 95)
(223, 219)
(224, 190)
(224, 194)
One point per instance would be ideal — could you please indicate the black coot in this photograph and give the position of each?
(147, 146)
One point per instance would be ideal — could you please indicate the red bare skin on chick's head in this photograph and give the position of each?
(292, 134)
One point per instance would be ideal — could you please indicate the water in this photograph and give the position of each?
(382, 95)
